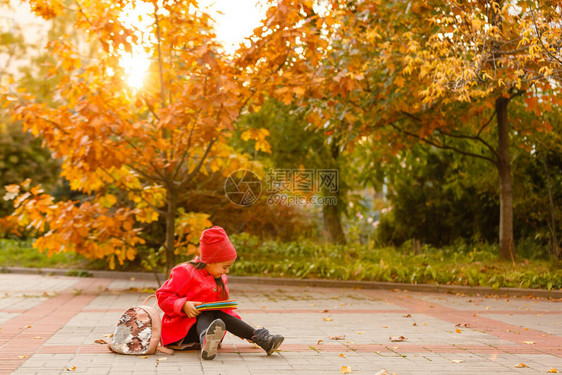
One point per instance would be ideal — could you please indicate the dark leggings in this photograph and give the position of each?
(233, 325)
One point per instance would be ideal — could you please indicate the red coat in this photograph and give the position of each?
(186, 283)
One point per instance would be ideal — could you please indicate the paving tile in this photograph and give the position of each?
(54, 321)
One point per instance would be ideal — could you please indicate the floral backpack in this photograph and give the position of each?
(138, 331)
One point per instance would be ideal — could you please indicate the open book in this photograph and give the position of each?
(218, 305)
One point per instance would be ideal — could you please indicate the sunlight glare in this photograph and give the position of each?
(238, 19)
(234, 21)
(136, 64)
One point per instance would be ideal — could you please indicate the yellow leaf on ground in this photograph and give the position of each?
(22, 356)
(345, 370)
(457, 361)
(328, 319)
(342, 355)
(520, 365)
(552, 371)
(458, 330)
(397, 338)
(341, 337)
(529, 342)
(73, 368)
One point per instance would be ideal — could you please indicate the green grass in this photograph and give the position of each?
(476, 265)
(460, 264)
(15, 253)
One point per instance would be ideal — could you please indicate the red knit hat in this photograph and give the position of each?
(215, 246)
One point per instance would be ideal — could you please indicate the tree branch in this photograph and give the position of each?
(198, 167)
(540, 39)
(442, 146)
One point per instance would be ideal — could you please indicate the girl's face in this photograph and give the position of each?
(219, 269)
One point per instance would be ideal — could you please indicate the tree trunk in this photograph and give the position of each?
(332, 223)
(555, 248)
(504, 173)
(331, 213)
(170, 232)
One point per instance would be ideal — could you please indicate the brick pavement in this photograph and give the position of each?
(50, 324)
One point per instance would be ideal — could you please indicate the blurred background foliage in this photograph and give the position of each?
(404, 217)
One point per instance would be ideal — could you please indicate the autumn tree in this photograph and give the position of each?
(21, 154)
(443, 73)
(136, 152)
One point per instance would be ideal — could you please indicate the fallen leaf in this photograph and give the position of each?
(384, 326)
(529, 342)
(108, 335)
(342, 355)
(161, 359)
(415, 324)
(407, 316)
(382, 372)
(458, 330)
(397, 338)
(457, 361)
(325, 311)
(71, 368)
(520, 365)
(552, 371)
(144, 356)
(341, 337)
(345, 370)
(100, 342)
(22, 356)
(320, 342)
(37, 338)
(26, 327)
(360, 333)
(465, 325)
(328, 319)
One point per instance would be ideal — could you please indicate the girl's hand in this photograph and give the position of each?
(190, 310)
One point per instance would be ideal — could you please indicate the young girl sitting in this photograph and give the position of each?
(200, 281)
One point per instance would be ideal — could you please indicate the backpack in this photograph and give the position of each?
(138, 331)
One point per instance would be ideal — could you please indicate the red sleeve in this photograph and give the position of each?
(171, 295)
